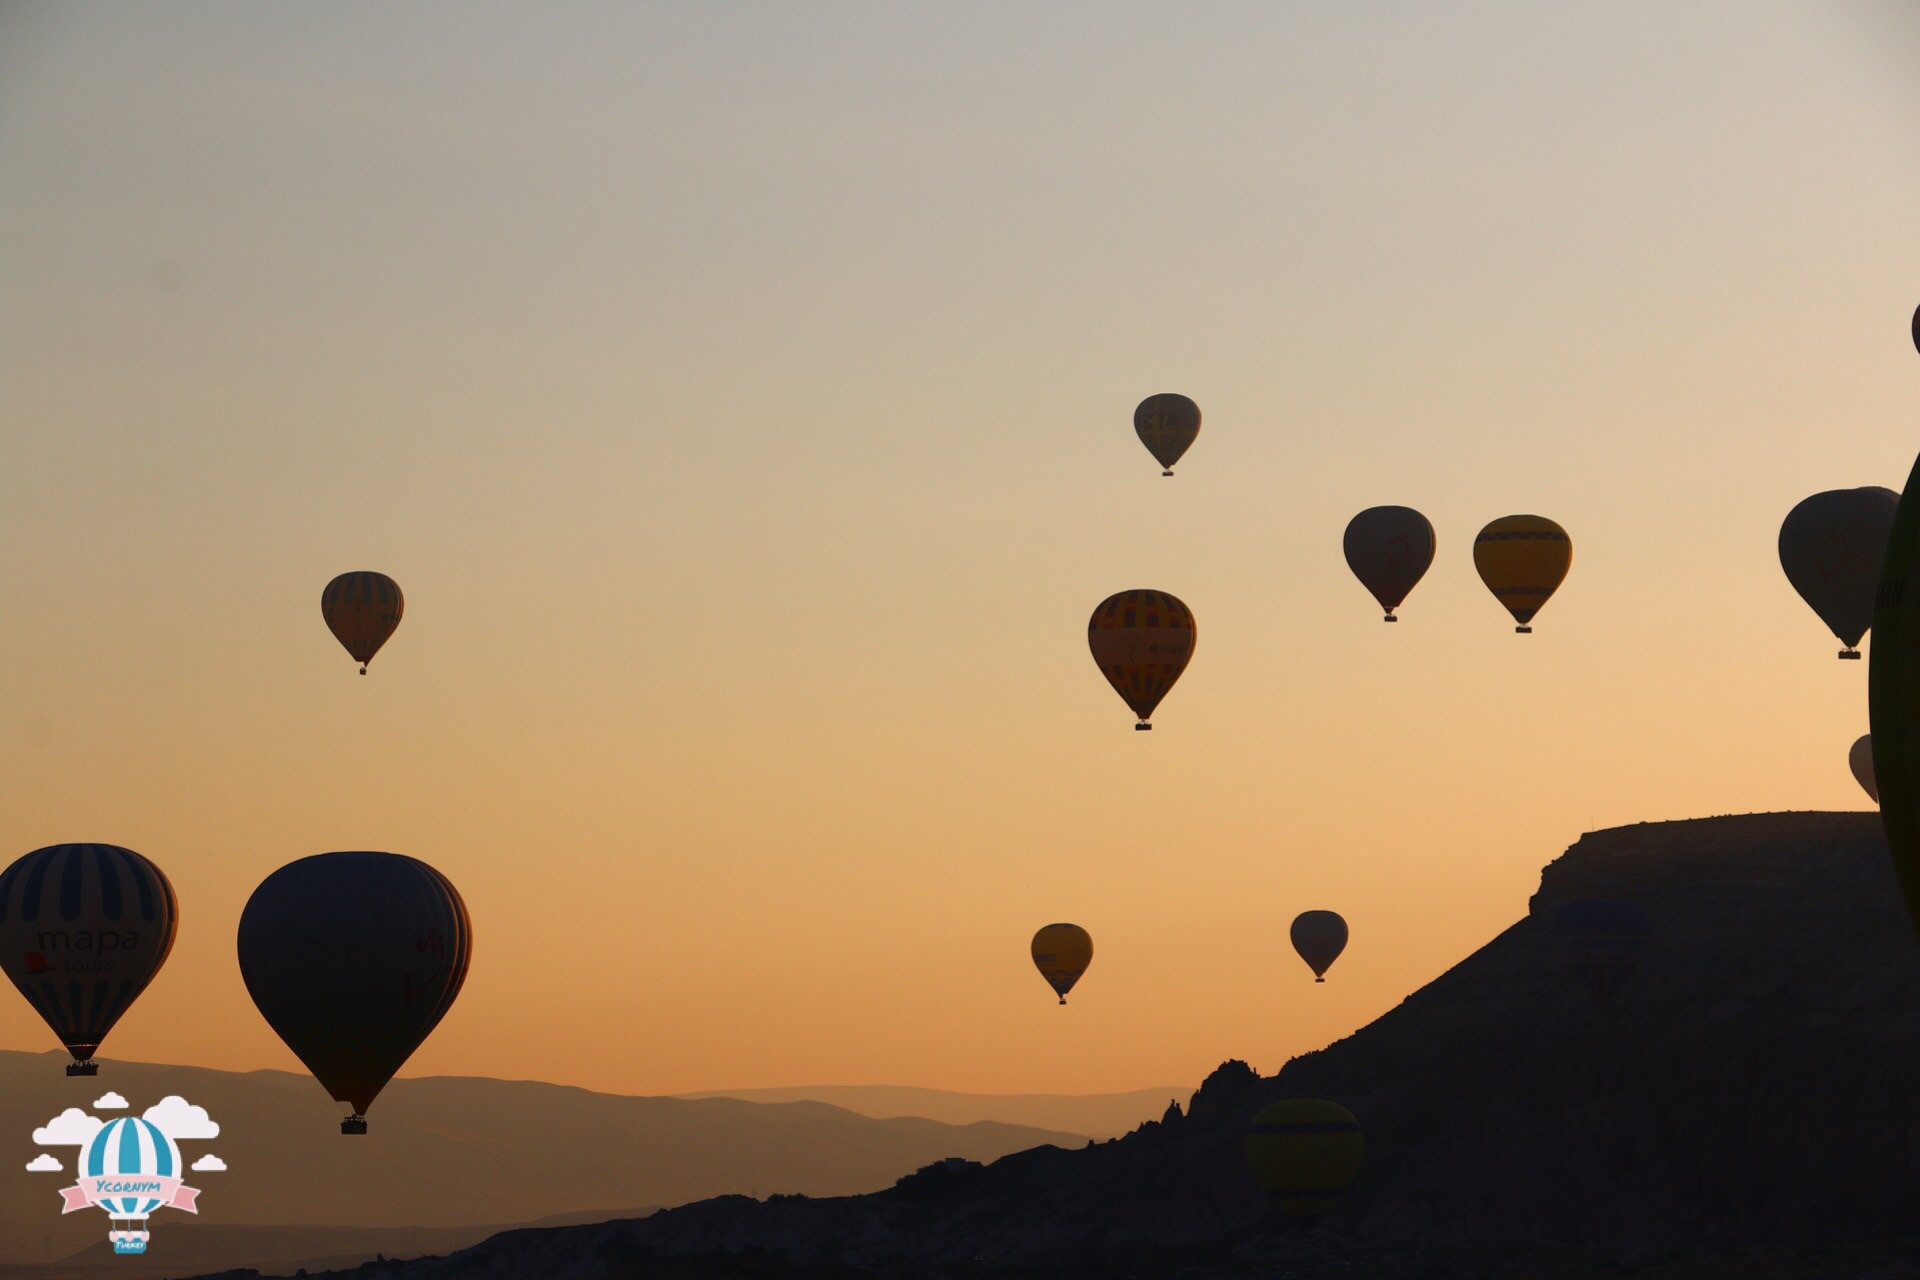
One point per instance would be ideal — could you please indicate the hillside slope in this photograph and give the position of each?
(1753, 1091)
(1098, 1115)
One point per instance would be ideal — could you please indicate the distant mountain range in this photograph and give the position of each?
(1098, 1115)
(448, 1158)
(1747, 1108)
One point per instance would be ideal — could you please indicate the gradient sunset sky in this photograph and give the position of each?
(742, 396)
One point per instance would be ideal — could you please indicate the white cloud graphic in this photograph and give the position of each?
(44, 1163)
(209, 1163)
(71, 1128)
(180, 1119)
(109, 1102)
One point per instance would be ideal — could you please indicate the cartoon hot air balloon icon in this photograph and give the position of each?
(1830, 548)
(1167, 424)
(1389, 549)
(1062, 953)
(83, 929)
(1305, 1152)
(1142, 641)
(1602, 943)
(1319, 937)
(362, 610)
(1860, 760)
(353, 958)
(130, 1168)
(1523, 560)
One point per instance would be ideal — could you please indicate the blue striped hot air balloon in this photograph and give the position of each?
(135, 1150)
(83, 930)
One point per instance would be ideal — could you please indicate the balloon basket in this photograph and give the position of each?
(129, 1246)
(1853, 654)
(353, 1124)
(87, 1068)
(1167, 472)
(1389, 618)
(1524, 631)
(1142, 727)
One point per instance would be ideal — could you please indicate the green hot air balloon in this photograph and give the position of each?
(1830, 547)
(1893, 695)
(1319, 937)
(1167, 424)
(1389, 549)
(1306, 1152)
(353, 958)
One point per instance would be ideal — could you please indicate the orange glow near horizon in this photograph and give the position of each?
(746, 415)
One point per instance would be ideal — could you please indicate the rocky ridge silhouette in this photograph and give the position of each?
(1746, 1109)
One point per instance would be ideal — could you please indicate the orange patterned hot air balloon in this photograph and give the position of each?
(362, 609)
(1062, 952)
(1142, 641)
(1523, 560)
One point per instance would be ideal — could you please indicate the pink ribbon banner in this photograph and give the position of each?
(89, 1192)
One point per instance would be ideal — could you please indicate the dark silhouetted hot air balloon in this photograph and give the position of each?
(1306, 1152)
(353, 958)
(1893, 695)
(362, 609)
(1602, 943)
(1523, 560)
(83, 930)
(1319, 937)
(1142, 641)
(1916, 328)
(1830, 546)
(1389, 549)
(1167, 424)
(1062, 952)
(1860, 760)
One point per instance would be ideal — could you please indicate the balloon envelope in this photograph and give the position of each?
(1860, 760)
(1305, 1152)
(353, 958)
(1389, 549)
(1602, 944)
(1167, 424)
(1830, 547)
(362, 609)
(1319, 937)
(83, 930)
(1142, 641)
(1523, 560)
(1893, 696)
(1062, 953)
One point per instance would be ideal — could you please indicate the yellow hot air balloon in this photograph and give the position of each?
(362, 609)
(1306, 1152)
(1523, 560)
(1167, 424)
(1142, 641)
(1062, 953)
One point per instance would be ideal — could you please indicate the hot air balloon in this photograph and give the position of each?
(131, 1152)
(1062, 953)
(1167, 424)
(1830, 546)
(1523, 560)
(1306, 1152)
(1319, 937)
(1142, 641)
(353, 958)
(1602, 944)
(1389, 549)
(1860, 760)
(1916, 328)
(1893, 695)
(83, 930)
(362, 609)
